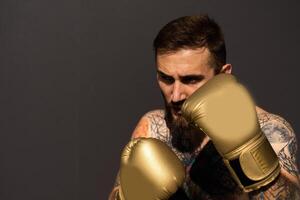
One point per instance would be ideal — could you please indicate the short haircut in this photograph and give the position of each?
(192, 32)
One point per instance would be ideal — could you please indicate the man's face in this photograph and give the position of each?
(180, 73)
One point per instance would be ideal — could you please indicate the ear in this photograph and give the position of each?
(227, 68)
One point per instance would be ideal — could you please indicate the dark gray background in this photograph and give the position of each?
(75, 77)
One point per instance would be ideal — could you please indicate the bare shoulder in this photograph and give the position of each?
(150, 123)
(277, 129)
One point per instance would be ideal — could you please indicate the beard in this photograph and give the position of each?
(184, 137)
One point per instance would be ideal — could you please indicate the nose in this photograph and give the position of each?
(178, 93)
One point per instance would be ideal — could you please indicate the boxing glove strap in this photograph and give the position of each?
(254, 164)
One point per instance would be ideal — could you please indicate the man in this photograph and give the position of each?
(190, 51)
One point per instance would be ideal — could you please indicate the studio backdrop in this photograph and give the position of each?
(76, 76)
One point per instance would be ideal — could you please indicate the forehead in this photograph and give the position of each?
(185, 62)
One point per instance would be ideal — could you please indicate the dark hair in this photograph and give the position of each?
(192, 32)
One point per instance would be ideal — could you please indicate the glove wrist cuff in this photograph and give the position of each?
(254, 164)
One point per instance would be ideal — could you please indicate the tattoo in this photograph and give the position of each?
(276, 133)
(287, 158)
(158, 126)
(280, 189)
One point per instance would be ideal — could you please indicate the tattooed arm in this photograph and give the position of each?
(283, 140)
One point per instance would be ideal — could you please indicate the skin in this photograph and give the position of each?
(182, 72)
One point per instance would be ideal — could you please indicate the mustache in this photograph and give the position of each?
(176, 106)
(184, 137)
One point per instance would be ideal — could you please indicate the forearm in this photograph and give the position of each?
(281, 188)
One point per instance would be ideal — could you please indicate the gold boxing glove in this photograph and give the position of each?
(224, 110)
(149, 170)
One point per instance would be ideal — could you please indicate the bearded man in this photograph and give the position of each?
(209, 121)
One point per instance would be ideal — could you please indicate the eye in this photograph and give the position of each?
(190, 80)
(166, 79)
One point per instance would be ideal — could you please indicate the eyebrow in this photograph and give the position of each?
(163, 74)
(192, 77)
(186, 77)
